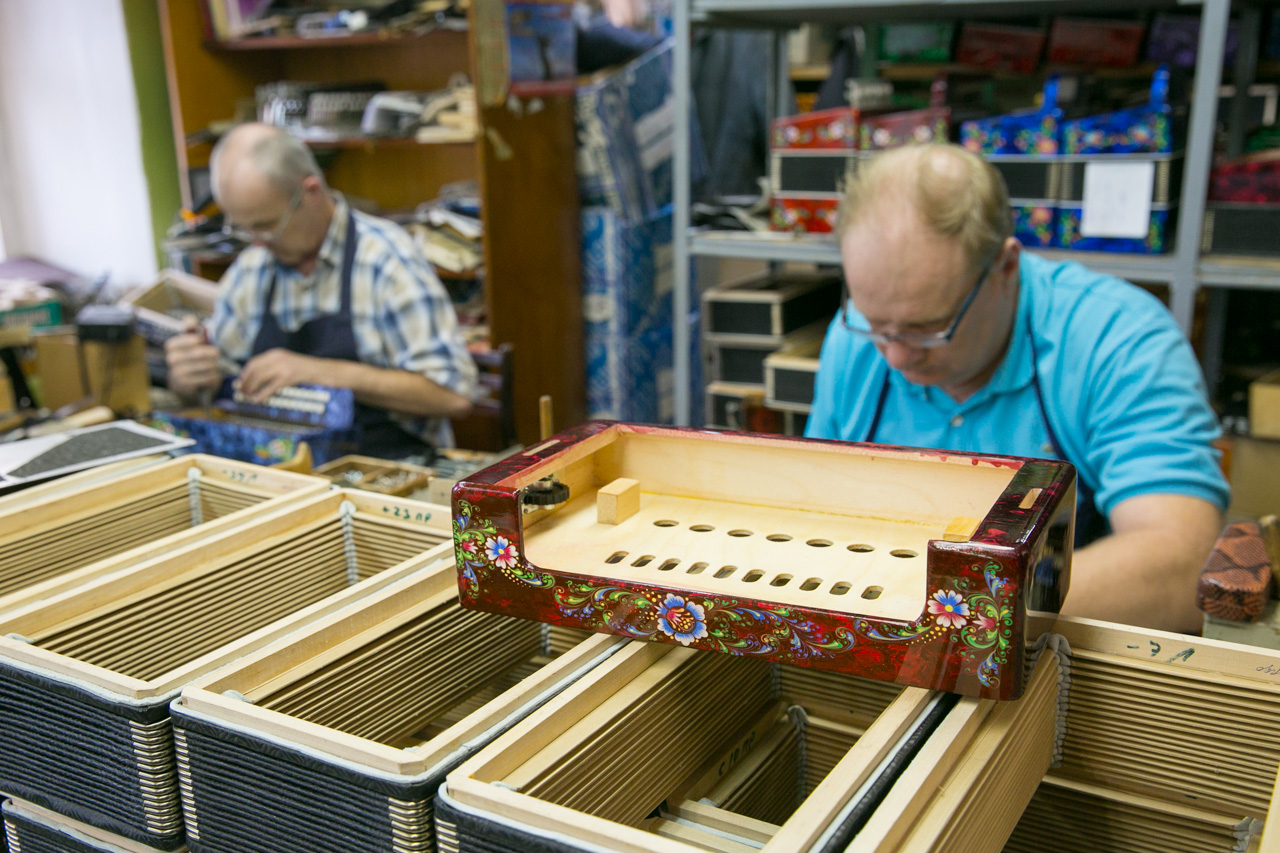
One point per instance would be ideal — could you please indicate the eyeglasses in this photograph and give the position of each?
(919, 340)
(265, 235)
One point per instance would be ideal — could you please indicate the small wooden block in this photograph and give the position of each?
(960, 529)
(618, 501)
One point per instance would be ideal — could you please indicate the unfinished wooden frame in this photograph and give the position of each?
(86, 675)
(656, 727)
(382, 696)
(61, 536)
(902, 565)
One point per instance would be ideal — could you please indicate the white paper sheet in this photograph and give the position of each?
(1117, 199)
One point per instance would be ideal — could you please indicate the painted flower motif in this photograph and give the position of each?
(682, 620)
(470, 546)
(949, 609)
(500, 552)
(986, 623)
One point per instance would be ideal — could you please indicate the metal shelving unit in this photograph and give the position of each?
(1184, 270)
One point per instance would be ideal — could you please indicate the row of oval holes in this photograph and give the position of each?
(752, 576)
(860, 548)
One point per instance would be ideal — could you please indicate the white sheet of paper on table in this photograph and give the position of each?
(1117, 199)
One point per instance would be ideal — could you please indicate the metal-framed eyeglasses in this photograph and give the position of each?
(918, 340)
(266, 235)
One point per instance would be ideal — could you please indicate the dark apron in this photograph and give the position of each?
(334, 337)
(1091, 524)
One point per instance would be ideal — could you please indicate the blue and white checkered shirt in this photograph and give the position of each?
(401, 315)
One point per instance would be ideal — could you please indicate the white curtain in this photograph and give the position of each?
(72, 188)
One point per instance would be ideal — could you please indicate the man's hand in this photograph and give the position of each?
(267, 373)
(192, 361)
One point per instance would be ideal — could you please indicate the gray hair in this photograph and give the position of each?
(956, 193)
(276, 154)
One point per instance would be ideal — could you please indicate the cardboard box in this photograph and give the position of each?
(1255, 477)
(62, 379)
(1264, 406)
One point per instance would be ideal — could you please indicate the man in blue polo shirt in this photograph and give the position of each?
(951, 337)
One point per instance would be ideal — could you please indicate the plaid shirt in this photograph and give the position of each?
(400, 313)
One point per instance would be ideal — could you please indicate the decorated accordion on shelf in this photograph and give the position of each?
(270, 432)
(919, 567)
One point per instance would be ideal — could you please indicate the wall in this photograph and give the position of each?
(71, 168)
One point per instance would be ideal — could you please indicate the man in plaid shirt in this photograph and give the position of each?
(325, 295)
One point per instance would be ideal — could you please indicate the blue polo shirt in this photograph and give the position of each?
(1121, 388)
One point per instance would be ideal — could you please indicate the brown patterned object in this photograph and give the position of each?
(1236, 581)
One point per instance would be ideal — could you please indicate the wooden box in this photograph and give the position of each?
(67, 532)
(1244, 229)
(159, 310)
(336, 739)
(767, 308)
(29, 827)
(926, 568)
(1264, 406)
(791, 375)
(744, 361)
(87, 675)
(399, 479)
(663, 750)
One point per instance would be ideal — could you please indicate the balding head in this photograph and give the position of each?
(254, 153)
(950, 191)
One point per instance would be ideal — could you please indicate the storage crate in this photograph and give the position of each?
(791, 375)
(1000, 46)
(766, 308)
(744, 362)
(1151, 235)
(1086, 41)
(916, 41)
(1241, 229)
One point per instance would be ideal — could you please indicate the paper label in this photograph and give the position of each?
(1117, 199)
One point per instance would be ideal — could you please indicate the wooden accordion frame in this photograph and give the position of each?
(62, 534)
(87, 675)
(925, 568)
(368, 708)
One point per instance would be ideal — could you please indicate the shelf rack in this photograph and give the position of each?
(1184, 270)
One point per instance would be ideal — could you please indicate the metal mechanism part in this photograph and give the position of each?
(544, 494)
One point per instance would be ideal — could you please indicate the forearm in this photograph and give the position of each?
(1146, 575)
(395, 390)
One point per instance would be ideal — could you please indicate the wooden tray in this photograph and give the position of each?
(86, 676)
(370, 707)
(663, 750)
(404, 478)
(61, 534)
(896, 564)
